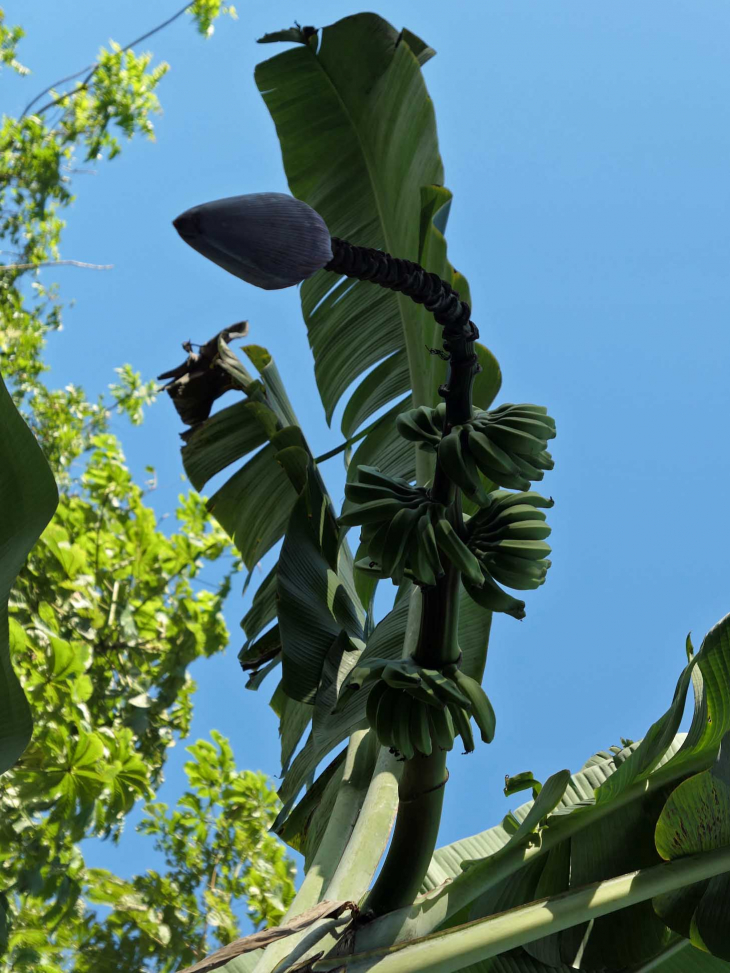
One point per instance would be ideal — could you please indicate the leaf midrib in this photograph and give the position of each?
(419, 395)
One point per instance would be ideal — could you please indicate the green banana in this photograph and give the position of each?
(359, 492)
(518, 565)
(491, 596)
(531, 550)
(463, 726)
(385, 719)
(544, 460)
(372, 703)
(527, 407)
(419, 563)
(371, 512)
(400, 678)
(366, 673)
(527, 469)
(481, 708)
(373, 537)
(372, 476)
(444, 687)
(426, 695)
(518, 580)
(536, 464)
(491, 457)
(508, 539)
(420, 426)
(528, 530)
(458, 464)
(355, 680)
(396, 540)
(420, 729)
(402, 726)
(536, 426)
(509, 515)
(457, 552)
(516, 441)
(502, 499)
(442, 728)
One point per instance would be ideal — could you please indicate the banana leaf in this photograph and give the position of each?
(344, 112)
(28, 499)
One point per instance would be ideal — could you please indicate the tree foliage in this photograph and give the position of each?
(107, 615)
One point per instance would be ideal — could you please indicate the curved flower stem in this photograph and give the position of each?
(421, 790)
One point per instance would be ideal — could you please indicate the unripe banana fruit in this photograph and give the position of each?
(405, 533)
(507, 538)
(506, 445)
(414, 710)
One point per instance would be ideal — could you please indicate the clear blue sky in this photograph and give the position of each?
(588, 149)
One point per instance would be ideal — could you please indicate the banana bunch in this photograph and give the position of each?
(403, 530)
(423, 425)
(507, 445)
(507, 537)
(413, 710)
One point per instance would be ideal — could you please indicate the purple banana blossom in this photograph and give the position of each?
(270, 240)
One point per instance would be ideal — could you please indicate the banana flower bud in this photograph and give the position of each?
(270, 240)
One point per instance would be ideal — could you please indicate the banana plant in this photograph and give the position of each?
(622, 866)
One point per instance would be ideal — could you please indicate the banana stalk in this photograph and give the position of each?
(421, 789)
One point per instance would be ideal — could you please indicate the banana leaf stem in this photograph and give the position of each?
(475, 942)
(348, 442)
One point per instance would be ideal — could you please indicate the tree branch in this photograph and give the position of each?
(4, 268)
(92, 69)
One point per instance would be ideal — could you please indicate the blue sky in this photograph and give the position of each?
(588, 148)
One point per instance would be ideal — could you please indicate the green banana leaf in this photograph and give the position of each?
(255, 506)
(294, 718)
(28, 499)
(679, 958)
(318, 619)
(304, 827)
(602, 834)
(697, 818)
(330, 729)
(343, 113)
